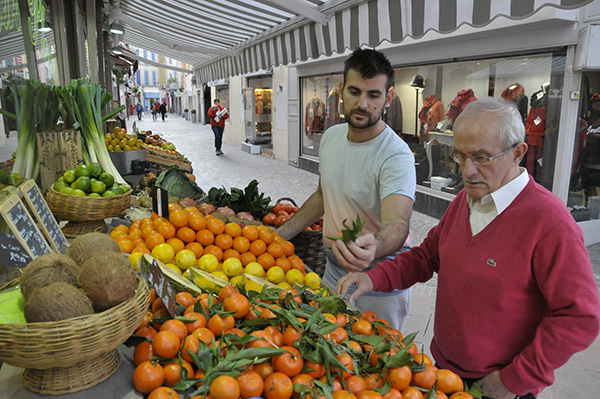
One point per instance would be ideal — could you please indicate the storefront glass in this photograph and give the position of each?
(427, 99)
(222, 94)
(584, 192)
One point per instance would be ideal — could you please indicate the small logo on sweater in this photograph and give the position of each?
(491, 262)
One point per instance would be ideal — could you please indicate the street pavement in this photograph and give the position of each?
(580, 377)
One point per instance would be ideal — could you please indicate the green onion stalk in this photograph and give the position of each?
(84, 102)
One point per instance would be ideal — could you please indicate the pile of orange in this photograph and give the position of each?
(187, 228)
(274, 378)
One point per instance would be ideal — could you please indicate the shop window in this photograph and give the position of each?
(584, 193)
(222, 93)
(427, 99)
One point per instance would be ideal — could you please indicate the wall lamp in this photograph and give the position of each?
(117, 50)
(117, 28)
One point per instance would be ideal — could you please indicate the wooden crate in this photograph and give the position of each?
(58, 152)
(181, 163)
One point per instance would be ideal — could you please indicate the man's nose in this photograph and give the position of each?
(469, 168)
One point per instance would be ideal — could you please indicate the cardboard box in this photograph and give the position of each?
(58, 152)
(437, 182)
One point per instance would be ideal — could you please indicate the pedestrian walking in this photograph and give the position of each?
(163, 110)
(154, 111)
(139, 109)
(217, 115)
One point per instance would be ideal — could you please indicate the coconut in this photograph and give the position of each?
(46, 269)
(86, 245)
(108, 279)
(57, 301)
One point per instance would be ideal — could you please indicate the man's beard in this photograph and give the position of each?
(371, 121)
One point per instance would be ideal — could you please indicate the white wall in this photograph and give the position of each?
(234, 128)
(280, 113)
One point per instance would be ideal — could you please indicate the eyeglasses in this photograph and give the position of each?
(480, 160)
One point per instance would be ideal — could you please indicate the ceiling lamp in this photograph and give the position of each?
(117, 28)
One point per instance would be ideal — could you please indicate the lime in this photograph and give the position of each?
(220, 274)
(108, 193)
(117, 189)
(294, 276)
(255, 269)
(3, 176)
(185, 259)
(82, 170)
(94, 195)
(163, 252)
(59, 185)
(238, 281)
(98, 187)
(284, 285)
(83, 183)
(174, 267)
(78, 193)
(275, 274)
(95, 169)
(208, 263)
(62, 178)
(14, 179)
(312, 280)
(107, 179)
(70, 176)
(66, 190)
(232, 266)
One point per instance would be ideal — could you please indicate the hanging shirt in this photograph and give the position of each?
(493, 204)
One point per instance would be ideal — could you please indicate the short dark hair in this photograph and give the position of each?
(369, 63)
(217, 101)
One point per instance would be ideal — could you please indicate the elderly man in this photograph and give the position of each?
(516, 295)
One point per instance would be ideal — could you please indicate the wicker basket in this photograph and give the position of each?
(65, 349)
(308, 245)
(86, 209)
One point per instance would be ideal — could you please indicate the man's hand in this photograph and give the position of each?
(362, 282)
(492, 386)
(356, 255)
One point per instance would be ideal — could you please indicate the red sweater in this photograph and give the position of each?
(212, 113)
(519, 297)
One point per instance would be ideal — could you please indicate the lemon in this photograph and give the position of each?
(275, 274)
(185, 259)
(238, 281)
(252, 285)
(174, 267)
(163, 252)
(134, 260)
(232, 266)
(294, 276)
(186, 274)
(220, 274)
(208, 263)
(312, 280)
(255, 269)
(284, 285)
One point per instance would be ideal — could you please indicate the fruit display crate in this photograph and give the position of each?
(182, 163)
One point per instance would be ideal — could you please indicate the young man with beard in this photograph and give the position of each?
(366, 170)
(516, 295)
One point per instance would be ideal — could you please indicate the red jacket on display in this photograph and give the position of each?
(516, 94)
(315, 117)
(459, 103)
(536, 121)
(519, 297)
(220, 121)
(431, 113)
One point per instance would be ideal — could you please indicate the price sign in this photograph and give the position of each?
(12, 252)
(23, 227)
(39, 208)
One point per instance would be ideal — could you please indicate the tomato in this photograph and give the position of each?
(269, 218)
(279, 213)
(288, 207)
(281, 220)
(279, 207)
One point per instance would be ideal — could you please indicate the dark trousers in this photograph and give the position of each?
(163, 115)
(218, 131)
(139, 115)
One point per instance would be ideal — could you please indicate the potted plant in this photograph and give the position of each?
(185, 113)
(193, 116)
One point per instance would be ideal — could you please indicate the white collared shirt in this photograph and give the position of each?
(493, 204)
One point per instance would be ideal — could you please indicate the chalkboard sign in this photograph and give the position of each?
(39, 208)
(12, 252)
(23, 227)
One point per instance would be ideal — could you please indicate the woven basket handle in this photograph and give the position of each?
(286, 199)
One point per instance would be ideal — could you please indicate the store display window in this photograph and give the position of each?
(584, 190)
(427, 100)
(222, 93)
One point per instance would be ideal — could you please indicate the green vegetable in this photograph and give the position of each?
(247, 200)
(177, 184)
(350, 234)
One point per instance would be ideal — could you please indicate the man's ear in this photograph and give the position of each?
(520, 151)
(389, 97)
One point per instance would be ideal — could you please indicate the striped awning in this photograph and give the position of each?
(365, 23)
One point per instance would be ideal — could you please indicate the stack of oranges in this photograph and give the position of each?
(188, 230)
(359, 370)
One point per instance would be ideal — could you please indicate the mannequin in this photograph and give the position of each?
(515, 93)
(315, 116)
(332, 105)
(535, 127)
(431, 113)
(393, 114)
(459, 103)
(590, 173)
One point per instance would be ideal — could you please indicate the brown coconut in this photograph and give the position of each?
(46, 269)
(108, 279)
(86, 245)
(57, 301)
